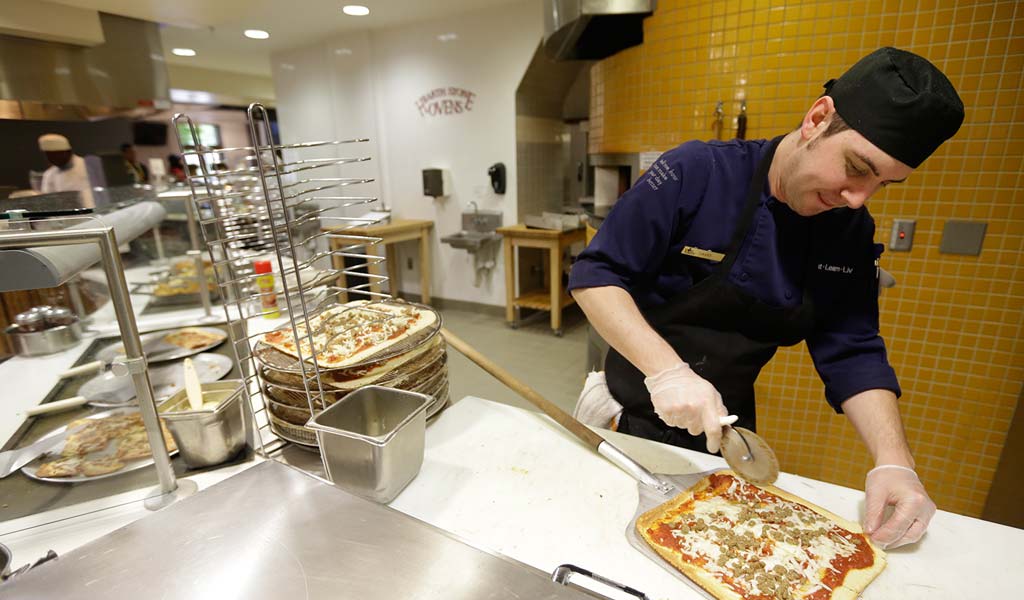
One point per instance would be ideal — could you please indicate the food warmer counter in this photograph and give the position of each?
(512, 482)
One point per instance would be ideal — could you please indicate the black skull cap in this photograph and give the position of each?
(900, 102)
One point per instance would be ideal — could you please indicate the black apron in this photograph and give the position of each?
(724, 334)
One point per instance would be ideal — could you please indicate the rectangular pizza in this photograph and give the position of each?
(741, 541)
(348, 334)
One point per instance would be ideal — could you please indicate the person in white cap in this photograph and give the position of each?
(68, 171)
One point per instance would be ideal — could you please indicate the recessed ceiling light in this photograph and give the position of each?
(183, 52)
(356, 10)
(448, 37)
(256, 34)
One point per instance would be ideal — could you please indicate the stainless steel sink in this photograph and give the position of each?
(477, 230)
(470, 240)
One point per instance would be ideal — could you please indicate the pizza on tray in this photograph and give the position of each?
(351, 333)
(100, 446)
(192, 338)
(741, 541)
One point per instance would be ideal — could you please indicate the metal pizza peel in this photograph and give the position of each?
(654, 489)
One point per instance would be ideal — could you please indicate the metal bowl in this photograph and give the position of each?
(47, 341)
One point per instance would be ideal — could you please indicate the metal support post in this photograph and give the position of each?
(110, 258)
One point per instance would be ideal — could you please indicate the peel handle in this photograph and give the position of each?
(560, 416)
(59, 405)
(91, 367)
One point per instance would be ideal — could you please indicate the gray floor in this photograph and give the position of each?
(553, 366)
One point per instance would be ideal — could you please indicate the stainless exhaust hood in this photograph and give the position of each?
(593, 29)
(124, 76)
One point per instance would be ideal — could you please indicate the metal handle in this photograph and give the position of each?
(596, 442)
(562, 574)
(59, 405)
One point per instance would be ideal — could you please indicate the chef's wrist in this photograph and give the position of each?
(898, 458)
(664, 371)
(659, 366)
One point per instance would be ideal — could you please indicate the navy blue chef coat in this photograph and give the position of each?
(693, 196)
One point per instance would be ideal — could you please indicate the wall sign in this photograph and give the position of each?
(445, 101)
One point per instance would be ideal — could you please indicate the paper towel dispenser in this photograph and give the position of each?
(437, 183)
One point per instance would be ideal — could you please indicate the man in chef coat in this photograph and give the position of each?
(723, 251)
(68, 171)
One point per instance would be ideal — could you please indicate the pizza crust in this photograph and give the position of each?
(62, 467)
(101, 466)
(694, 573)
(192, 338)
(854, 582)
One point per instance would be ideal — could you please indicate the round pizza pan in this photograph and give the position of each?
(30, 469)
(293, 433)
(109, 353)
(279, 413)
(167, 380)
(336, 381)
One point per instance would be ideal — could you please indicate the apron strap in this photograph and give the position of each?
(750, 207)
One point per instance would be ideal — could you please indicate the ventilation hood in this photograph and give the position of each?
(593, 29)
(124, 76)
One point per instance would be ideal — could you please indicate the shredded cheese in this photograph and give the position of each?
(707, 530)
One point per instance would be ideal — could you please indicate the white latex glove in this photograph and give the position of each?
(682, 398)
(897, 486)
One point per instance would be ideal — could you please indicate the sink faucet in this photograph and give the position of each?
(478, 221)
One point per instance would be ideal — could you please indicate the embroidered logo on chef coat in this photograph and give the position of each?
(659, 173)
(842, 269)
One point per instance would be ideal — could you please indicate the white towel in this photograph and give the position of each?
(596, 406)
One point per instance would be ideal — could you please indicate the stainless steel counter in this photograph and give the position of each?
(272, 532)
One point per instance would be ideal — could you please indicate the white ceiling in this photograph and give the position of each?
(213, 28)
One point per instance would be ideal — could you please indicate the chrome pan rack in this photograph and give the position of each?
(289, 204)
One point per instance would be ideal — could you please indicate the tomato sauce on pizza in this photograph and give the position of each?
(742, 541)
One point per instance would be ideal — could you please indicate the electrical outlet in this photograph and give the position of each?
(408, 263)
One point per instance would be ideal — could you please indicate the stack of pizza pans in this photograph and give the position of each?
(417, 364)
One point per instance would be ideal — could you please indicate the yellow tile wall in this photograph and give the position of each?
(953, 324)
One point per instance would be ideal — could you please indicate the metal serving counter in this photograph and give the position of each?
(272, 532)
(23, 496)
(498, 477)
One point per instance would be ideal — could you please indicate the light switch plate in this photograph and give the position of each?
(902, 237)
(962, 237)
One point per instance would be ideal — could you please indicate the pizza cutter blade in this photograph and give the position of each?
(749, 455)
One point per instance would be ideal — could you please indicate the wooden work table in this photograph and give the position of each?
(391, 233)
(554, 298)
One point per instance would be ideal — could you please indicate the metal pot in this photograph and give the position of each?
(47, 341)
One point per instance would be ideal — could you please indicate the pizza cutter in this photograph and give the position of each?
(747, 453)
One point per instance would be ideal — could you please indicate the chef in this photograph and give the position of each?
(68, 171)
(724, 251)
